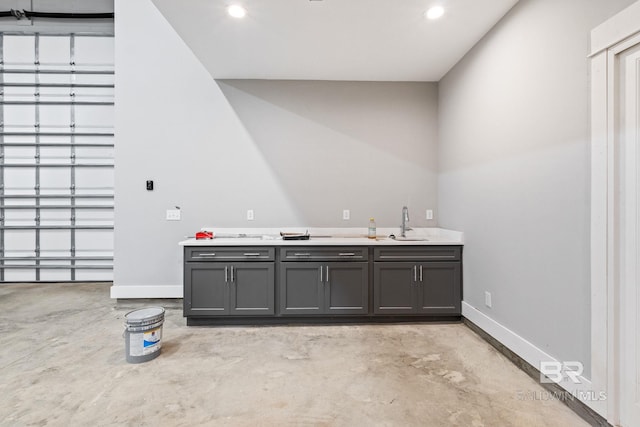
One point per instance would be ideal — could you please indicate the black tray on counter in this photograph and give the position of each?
(294, 236)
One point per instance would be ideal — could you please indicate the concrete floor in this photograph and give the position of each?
(62, 363)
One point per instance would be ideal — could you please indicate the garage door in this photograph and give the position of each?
(56, 157)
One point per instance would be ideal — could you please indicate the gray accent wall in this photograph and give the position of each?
(297, 153)
(514, 171)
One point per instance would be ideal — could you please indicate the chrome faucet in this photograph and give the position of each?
(405, 218)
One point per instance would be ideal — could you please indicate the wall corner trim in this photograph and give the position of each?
(532, 355)
(617, 28)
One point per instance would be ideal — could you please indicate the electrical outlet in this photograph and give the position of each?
(250, 216)
(173, 215)
(487, 299)
(346, 214)
(429, 214)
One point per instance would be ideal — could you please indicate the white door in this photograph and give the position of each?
(615, 217)
(629, 232)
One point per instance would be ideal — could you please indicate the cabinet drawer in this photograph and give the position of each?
(418, 253)
(340, 253)
(210, 253)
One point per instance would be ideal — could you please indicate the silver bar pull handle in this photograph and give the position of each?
(232, 274)
(421, 273)
(251, 254)
(226, 274)
(321, 275)
(327, 279)
(204, 255)
(346, 254)
(415, 273)
(302, 254)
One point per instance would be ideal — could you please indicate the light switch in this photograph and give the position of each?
(346, 214)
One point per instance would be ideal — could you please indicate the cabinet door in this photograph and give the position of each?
(301, 290)
(439, 288)
(394, 287)
(252, 288)
(346, 288)
(206, 289)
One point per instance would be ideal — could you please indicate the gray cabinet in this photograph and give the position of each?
(229, 282)
(439, 289)
(430, 285)
(301, 288)
(346, 288)
(324, 288)
(206, 289)
(252, 288)
(279, 284)
(394, 289)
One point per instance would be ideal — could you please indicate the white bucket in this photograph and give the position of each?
(143, 334)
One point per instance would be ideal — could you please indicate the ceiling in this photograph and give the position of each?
(370, 40)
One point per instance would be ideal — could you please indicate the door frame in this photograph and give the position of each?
(607, 40)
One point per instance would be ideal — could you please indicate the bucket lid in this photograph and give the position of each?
(144, 315)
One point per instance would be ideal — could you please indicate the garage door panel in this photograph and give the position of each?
(54, 50)
(94, 240)
(94, 50)
(20, 241)
(55, 179)
(94, 178)
(26, 274)
(95, 116)
(54, 241)
(57, 167)
(19, 50)
(19, 116)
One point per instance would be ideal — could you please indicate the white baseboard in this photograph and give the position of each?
(534, 355)
(123, 291)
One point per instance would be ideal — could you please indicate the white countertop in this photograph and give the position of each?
(325, 237)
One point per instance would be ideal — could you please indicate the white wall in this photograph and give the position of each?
(514, 171)
(295, 152)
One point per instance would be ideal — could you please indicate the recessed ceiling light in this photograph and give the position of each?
(236, 11)
(435, 12)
